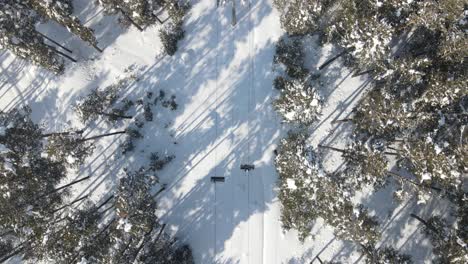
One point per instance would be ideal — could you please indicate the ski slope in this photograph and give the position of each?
(222, 78)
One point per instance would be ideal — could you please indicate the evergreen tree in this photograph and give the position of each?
(100, 103)
(18, 34)
(301, 17)
(448, 246)
(434, 164)
(298, 102)
(290, 55)
(140, 13)
(386, 255)
(69, 148)
(307, 193)
(70, 238)
(173, 31)
(61, 12)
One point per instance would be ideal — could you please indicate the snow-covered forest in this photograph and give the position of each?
(233, 131)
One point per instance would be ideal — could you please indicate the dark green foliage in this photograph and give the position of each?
(61, 12)
(447, 244)
(140, 12)
(386, 255)
(299, 100)
(290, 54)
(157, 163)
(99, 103)
(69, 149)
(148, 113)
(170, 36)
(306, 193)
(173, 31)
(26, 43)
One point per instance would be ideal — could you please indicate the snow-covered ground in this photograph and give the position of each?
(222, 77)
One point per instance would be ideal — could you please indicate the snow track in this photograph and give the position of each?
(242, 194)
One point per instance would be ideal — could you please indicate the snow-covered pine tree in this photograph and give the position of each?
(381, 116)
(385, 255)
(306, 193)
(29, 181)
(136, 230)
(140, 13)
(299, 100)
(290, 55)
(170, 35)
(447, 244)
(300, 17)
(357, 26)
(69, 148)
(73, 237)
(100, 103)
(61, 12)
(173, 31)
(364, 166)
(18, 34)
(435, 164)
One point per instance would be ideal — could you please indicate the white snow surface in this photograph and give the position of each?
(222, 78)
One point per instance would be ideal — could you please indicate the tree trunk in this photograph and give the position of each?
(15, 251)
(74, 202)
(107, 209)
(65, 186)
(107, 226)
(342, 120)
(143, 243)
(55, 42)
(325, 64)
(320, 261)
(160, 191)
(130, 19)
(160, 233)
(104, 135)
(97, 48)
(332, 148)
(105, 202)
(413, 182)
(61, 53)
(425, 223)
(115, 115)
(362, 73)
(63, 133)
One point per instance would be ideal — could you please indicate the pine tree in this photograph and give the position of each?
(300, 17)
(69, 239)
(100, 103)
(386, 255)
(70, 148)
(298, 102)
(18, 34)
(170, 36)
(448, 246)
(173, 31)
(290, 55)
(61, 12)
(307, 193)
(434, 164)
(140, 13)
